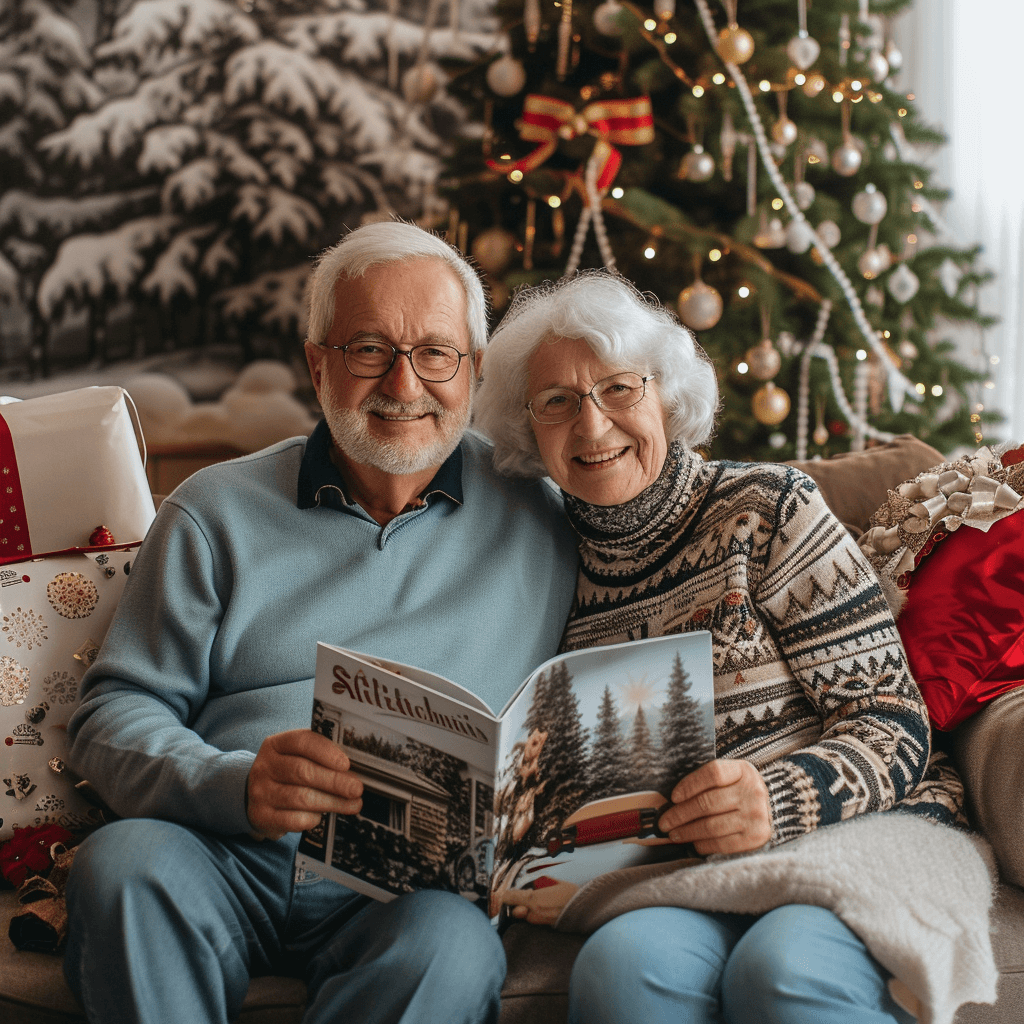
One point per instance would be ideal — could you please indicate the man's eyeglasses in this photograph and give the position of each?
(434, 363)
(613, 394)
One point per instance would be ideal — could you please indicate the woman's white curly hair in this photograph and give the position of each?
(627, 329)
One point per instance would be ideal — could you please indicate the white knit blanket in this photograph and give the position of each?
(917, 894)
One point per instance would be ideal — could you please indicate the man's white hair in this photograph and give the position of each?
(379, 244)
(626, 329)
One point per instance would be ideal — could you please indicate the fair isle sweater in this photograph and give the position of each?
(811, 681)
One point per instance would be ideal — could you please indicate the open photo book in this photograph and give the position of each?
(567, 782)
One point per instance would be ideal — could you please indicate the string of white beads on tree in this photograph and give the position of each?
(899, 386)
(591, 212)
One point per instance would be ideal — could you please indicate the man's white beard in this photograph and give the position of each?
(350, 431)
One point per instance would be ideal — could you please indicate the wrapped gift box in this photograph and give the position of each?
(54, 613)
(69, 463)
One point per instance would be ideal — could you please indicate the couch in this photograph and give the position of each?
(988, 749)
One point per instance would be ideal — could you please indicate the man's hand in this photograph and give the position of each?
(298, 776)
(722, 807)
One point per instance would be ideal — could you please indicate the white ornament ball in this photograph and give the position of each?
(493, 249)
(786, 343)
(700, 306)
(784, 131)
(903, 283)
(606, 18)
(869, 206)
(875, 261)
(803, 51)
(846, 159)
(506, 76)
(877, 66)
(777, 439)
(799, 236)
(419, 83)
(949, 276)
(803, 193)
(829, 233)
(894, 57)
(874, 296)
(907, 350)
(698, 165)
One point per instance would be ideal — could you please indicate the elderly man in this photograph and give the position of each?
(386, 531)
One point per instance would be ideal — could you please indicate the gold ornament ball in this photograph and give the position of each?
(493, 249)
(700, 306)
(419, 84)
(735, 45)
(784, 131)
(764, 360)
(820, 435)
(770, 404)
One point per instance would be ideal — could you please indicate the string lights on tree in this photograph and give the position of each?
(751, 171)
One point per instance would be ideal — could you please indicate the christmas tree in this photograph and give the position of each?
(186, 158)
(752, 164)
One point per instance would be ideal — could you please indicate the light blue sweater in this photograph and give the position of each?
(213, 645)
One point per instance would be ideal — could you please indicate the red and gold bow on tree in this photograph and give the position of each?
(615, 122)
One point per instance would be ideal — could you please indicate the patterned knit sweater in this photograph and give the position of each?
(811, 681)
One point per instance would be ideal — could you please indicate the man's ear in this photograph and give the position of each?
(314, 359)
(478, 362)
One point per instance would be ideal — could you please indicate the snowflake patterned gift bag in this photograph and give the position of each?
(54, 613)
(70, 463)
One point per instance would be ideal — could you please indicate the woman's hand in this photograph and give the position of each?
(722, 807)
(539, 906)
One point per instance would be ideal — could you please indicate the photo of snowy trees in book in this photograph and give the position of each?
(426, 819)
(598, 770)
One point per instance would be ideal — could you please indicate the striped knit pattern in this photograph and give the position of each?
(811, 681)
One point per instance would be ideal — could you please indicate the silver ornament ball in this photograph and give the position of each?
(803, 193)
(846, 160)
(869, 206)
(877, 67)
(700, 306)
(698, 165)
(506, 76)
(606, 18)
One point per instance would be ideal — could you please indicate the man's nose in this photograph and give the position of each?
(401, 382)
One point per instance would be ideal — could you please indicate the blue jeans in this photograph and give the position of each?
(793, 965)
(167, 924)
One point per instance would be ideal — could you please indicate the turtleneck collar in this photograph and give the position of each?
(637, 518)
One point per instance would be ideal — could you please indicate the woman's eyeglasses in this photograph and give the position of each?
(613, 394)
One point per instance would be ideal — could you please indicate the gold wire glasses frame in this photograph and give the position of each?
(613, 394)
(369, 359)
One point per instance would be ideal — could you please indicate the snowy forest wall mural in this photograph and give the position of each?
(169, 167)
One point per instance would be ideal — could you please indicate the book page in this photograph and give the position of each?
(592, 747)
(427, 763)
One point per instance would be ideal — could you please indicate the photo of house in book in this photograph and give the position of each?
(593, 769)
(426, 818)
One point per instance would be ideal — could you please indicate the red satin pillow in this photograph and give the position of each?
(963, 623)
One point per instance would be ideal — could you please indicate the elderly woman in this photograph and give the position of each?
(817, 717)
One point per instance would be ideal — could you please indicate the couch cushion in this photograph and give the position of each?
(963, 621)
(854, 484)
(990, 754)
